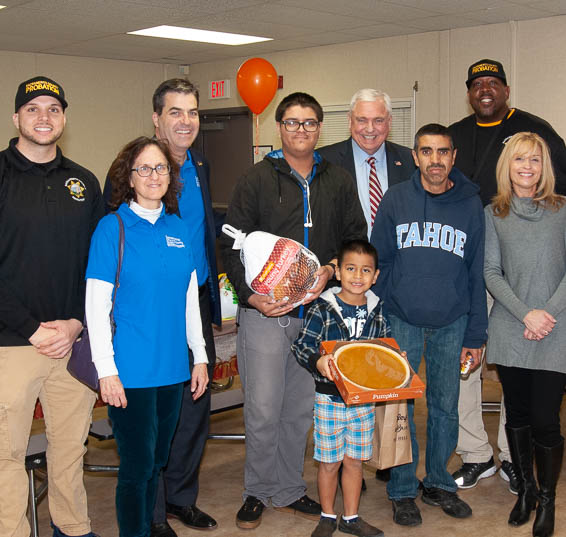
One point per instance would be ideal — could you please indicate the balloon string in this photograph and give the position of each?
(257, 134)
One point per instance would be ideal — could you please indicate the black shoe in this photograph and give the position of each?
(305, 507)
(162, 529)
(521, 449)
(383, 475)
(449, 502)
(359, 527)
(249, 515)
(325, 528)
(406, 512)
(192, 517)
(507, 473)
(549, 461)
(471, 472)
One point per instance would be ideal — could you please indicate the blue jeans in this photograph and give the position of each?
(442, 348)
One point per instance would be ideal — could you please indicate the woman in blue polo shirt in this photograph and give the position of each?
(143, 368)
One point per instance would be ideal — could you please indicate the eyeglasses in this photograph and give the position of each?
(146, 171)
(292, 125)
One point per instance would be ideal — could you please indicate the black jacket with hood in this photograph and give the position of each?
(270, 198)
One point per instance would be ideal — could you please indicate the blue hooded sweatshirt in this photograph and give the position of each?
(431, 251)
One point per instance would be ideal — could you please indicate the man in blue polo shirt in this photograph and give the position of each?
(176, 120)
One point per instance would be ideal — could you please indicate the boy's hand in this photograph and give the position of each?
(323, 367)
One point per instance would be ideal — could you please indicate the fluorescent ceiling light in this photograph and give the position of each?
(202, 36)
(2, 7)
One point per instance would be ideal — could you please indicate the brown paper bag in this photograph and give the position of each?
(392, 438)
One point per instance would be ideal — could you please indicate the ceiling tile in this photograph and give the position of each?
(382, 30)
(512, 12)
(443, 22)
(444, 7)
(369, 10)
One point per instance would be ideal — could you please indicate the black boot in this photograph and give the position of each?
(549, 461)
(521, 448)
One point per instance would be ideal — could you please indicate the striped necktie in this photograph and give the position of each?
(375, 192)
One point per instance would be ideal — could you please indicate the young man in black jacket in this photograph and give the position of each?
(292, 193)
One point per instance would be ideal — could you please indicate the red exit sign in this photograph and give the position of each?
(219, 89)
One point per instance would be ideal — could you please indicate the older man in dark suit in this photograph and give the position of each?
(371, 160)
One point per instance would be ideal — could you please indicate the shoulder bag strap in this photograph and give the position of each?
(118, 270)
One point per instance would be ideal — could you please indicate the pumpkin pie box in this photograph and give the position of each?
(352, 393)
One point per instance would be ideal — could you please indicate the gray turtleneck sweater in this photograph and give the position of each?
(525, 269)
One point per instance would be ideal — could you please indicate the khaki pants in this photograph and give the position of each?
(67, 405)
(473, 444)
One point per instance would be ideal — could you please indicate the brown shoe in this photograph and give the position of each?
(325, 528)
(359, 527)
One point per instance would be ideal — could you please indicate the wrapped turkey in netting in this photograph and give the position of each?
(275, 266)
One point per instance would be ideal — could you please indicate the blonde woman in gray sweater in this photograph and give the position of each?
(525, 271)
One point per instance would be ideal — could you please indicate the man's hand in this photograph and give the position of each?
(324, 274)
(269, 306)
(476, 356)
(323, 367)
(41, 334)
(112, 391)
(199, 380)
(539, 322)
(60, 343)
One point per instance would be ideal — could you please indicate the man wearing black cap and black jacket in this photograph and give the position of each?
(479, 139)
(481, 136)
(49, 207)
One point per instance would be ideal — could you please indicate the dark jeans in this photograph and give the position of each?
(178, 483)
(441, 348)
(143, 432)
(533, 397)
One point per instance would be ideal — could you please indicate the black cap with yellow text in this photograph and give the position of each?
(486, 68)
(36, 86)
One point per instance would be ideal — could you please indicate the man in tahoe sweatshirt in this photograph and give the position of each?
(429, 232)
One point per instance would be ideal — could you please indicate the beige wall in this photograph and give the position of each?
(533, 53)
(110, 101)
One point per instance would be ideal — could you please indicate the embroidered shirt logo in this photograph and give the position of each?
(76, 188)
(174, 242)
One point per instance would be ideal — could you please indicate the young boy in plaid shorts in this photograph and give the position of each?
(342, 434)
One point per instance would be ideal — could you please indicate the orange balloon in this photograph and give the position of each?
(257, 83)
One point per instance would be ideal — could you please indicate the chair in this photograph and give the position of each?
(36, 460)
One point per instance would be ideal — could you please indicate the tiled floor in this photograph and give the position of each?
(221, 489)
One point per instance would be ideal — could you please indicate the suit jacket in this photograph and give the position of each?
(400, 163)
(203, 173)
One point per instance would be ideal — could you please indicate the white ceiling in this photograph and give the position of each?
(97, 28)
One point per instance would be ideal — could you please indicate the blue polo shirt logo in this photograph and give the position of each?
(174, 242)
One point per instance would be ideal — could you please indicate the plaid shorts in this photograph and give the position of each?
(342, 430)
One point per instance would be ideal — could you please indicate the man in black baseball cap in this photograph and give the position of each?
(36, 86)
(486, 68)
(479, 139)
(48, 210)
